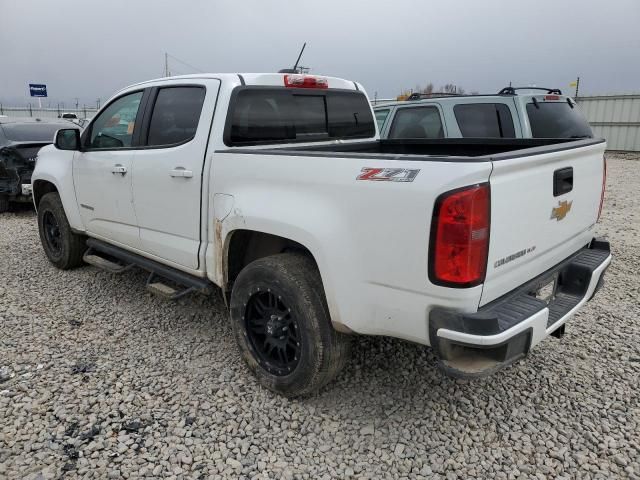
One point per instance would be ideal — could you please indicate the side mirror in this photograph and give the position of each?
(67, 139)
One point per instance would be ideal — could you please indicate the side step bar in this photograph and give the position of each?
(157, 271)
(104, 264)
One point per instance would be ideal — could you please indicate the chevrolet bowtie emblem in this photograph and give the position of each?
(561, 210)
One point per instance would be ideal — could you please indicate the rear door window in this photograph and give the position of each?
(484, 120)
(175, 116)
(417, 122)
(557, 120)
(272, 115)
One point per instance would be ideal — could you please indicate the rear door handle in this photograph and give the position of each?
(181, 172)
(119, 169)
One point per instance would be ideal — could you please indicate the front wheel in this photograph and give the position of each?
(282, 325)
(63, 247)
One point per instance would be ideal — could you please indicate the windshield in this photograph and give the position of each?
(557, 120)
(31, 132)
(278, 115)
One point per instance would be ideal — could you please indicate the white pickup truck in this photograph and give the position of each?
(276, 189)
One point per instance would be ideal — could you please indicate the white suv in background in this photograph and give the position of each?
(512, 113)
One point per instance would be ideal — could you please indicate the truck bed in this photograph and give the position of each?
(447, 149)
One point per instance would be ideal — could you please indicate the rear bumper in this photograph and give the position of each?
(505, 330)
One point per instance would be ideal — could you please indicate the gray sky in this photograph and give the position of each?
(86, 49)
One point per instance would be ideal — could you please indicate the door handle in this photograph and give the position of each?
(181, 172)
(119, 169)
(562, 181)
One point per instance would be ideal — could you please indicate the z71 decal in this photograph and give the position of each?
(387, 174)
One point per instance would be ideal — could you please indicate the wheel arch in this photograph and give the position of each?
(44, 185)
(40, 189)
(243, 246)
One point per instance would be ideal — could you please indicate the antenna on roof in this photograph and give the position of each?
(295, 68)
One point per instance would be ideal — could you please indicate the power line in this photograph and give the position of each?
(184, 63)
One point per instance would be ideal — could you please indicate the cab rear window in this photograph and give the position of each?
(260, 115)
(557, 120)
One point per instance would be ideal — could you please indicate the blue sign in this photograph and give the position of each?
(38, 90)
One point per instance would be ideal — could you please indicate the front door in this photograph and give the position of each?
(167, 177)
(103, 169)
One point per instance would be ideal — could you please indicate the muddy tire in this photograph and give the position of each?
(4, 203)
(282, 325)
(63, 247)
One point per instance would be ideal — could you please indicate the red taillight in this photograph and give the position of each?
(305, 81)
(604, 185)
(460, 237)
(552, 97)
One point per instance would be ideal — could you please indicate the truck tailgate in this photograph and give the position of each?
(543, 209)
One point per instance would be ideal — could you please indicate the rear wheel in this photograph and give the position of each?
(282, 325)
(63, 247)
(4, 203)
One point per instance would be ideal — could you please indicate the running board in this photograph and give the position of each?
(158, 272)
(103, 263)
(161, 289)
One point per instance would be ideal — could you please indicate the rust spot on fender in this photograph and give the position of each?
(219, 253)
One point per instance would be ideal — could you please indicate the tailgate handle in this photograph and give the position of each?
(562, 181)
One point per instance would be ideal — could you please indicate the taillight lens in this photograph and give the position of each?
(305, 81)
(604, 185)
(460, 237)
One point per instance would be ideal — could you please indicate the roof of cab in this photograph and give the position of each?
(267, 79)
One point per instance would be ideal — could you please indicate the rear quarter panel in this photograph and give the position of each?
(370, 239)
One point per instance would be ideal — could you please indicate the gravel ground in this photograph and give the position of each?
(99, 379)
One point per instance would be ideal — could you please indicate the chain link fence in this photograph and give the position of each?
(35, 112)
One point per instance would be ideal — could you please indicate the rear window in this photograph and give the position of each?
(278, 115)
(417, 122)
(484, 120)
(557, 120)
(32, 132)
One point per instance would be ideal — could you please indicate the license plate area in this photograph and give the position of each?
(545, 290)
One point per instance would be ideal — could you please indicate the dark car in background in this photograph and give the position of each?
(20, 141)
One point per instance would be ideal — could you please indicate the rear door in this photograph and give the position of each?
(168, 170)
(543, 209)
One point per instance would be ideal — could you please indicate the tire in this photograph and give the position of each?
(4, 203)
(63, 247)
(282, 297)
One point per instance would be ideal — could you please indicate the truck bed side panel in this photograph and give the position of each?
(317, 201)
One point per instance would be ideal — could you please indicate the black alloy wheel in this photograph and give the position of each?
(273, 332)
(52, 233)
(282, 325)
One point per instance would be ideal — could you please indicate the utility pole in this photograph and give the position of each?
(166, 64)
(98, 104)
(76, 103)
